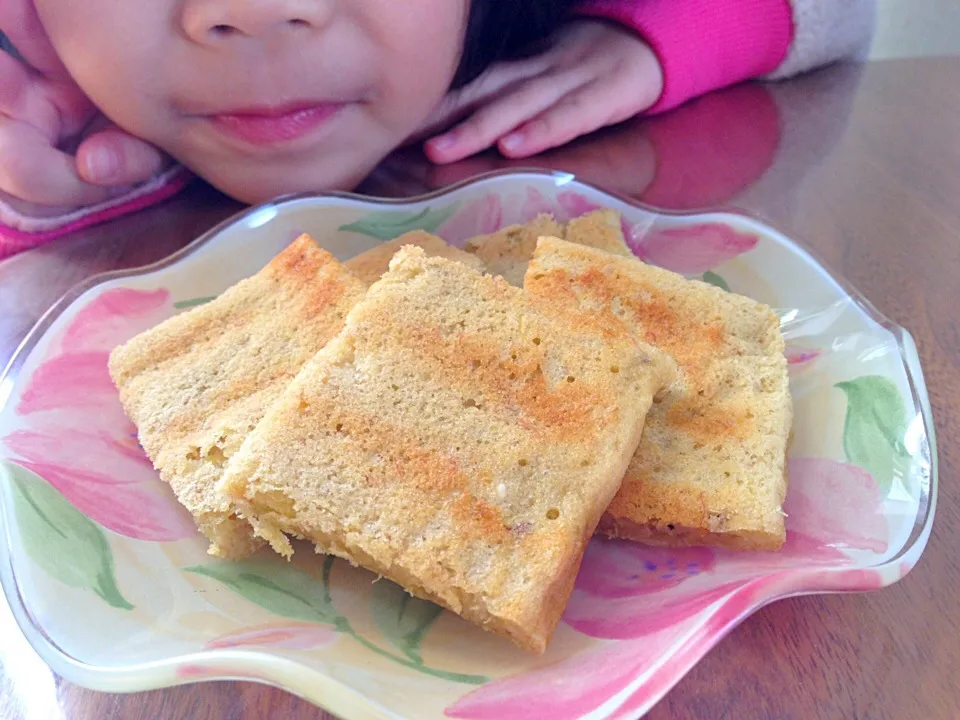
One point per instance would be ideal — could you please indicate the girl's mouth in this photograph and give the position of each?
(272, 126)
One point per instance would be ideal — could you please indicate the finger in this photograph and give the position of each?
(499, 117)
(496, 81)
(36, 172)
(113, 157)
(579, 112)
(32, 210)
(22, 98)
(19, 22)
(58, 108)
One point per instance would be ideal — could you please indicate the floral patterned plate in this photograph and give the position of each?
(111, 584)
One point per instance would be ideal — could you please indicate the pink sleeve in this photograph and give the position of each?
(19, 232)
(704, 45)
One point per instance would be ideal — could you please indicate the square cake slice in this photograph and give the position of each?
(456, 439)
(601, 229)
(370, 265)
(710, 468)
(507, 253)
(197, 384)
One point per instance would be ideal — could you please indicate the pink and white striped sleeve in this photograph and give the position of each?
(19, 231)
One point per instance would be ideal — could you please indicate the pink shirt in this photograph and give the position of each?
(704, 45)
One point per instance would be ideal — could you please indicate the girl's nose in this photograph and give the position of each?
(213, 21)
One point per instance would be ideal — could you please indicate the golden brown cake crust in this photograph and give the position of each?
(507, 253)
(370, 265)
(710, 469)
(197, 384)
(456, 439)
(601, 229)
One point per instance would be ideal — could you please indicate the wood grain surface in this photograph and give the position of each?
(860, 163)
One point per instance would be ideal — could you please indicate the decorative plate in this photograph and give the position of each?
(111, 584)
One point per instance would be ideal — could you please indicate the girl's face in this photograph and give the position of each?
(263, 97)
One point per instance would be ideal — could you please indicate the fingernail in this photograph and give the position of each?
(443, 142)
(513, 141)
(102, 164)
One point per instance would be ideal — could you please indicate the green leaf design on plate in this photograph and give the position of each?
(281, 588)
(402, 619)
(874, 428)
(286, 590)
(712, 278)
(193, 302)
(390, 224)
(61, 540)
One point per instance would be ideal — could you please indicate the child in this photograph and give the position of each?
(264, 97)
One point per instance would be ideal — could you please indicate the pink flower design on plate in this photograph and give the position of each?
(534, 203)
(292, 636)
(614, 569)
(573, 205)
(831, 507)
(727, 615)
(521, 208)
(800, 357)
(691, 250)
(196, 671)
(490, 213)
(107, 321)
(579, 685)
(73, 432)
(78, 381)
(670, 606)
(832, 504)
(565, 690)
(627, 590)
(478, 217)
(683, 658)
(643, 614)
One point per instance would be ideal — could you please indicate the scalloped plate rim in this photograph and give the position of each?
(338, 697)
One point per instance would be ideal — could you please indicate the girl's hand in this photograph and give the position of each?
(42, 114)
(596, 74)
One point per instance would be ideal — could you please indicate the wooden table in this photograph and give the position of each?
(863, 164)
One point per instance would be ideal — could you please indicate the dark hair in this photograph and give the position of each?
(500, 30)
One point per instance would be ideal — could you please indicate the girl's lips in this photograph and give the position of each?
(271, 127)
